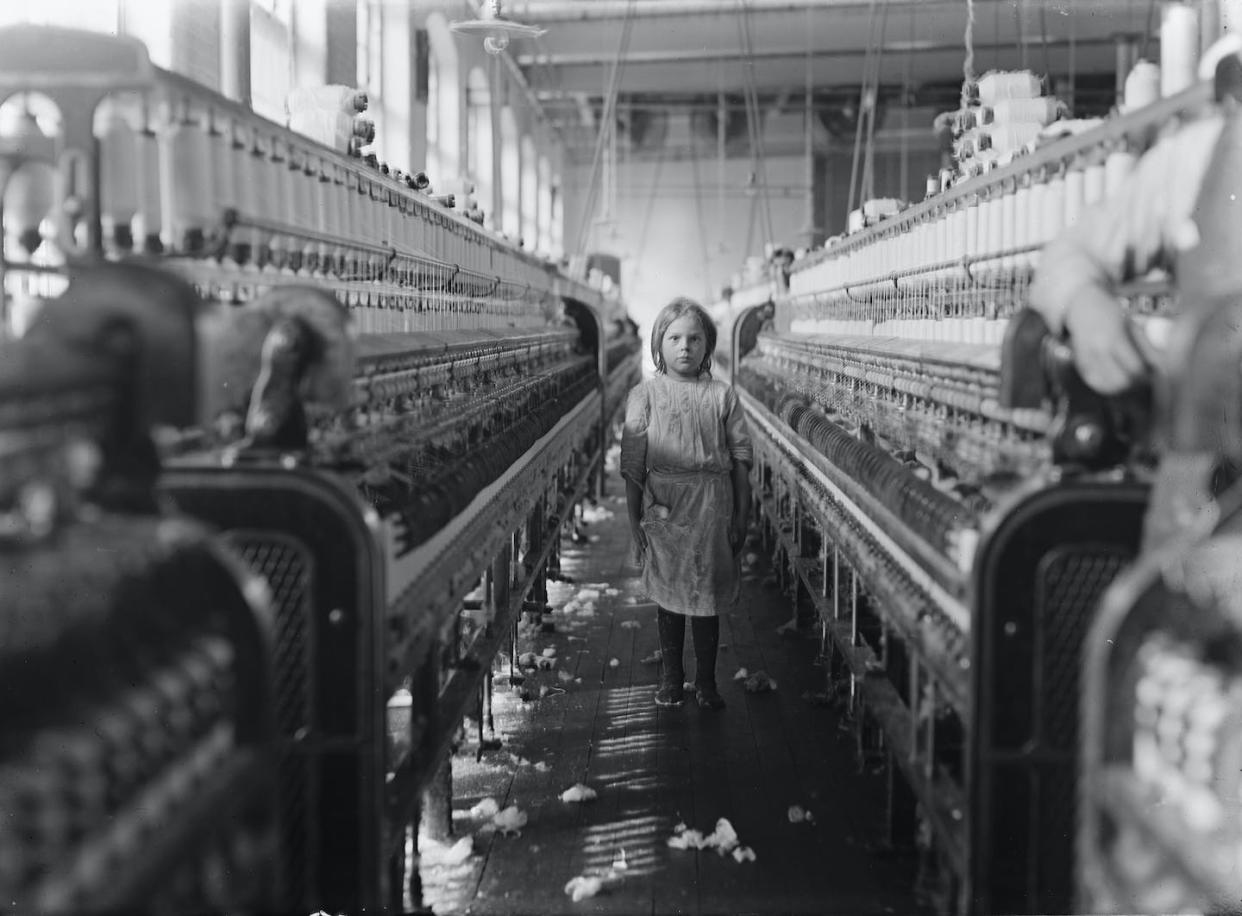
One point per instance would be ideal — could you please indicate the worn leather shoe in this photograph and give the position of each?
(710, 698)
(669, 695)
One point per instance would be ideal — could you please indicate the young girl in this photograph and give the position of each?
(686, 457)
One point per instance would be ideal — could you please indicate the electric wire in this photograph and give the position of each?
(607, 124)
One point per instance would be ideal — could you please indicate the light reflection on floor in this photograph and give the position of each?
(630, 822)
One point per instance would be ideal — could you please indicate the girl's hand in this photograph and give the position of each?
(737, 533)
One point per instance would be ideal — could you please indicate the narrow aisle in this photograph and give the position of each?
(587, 717)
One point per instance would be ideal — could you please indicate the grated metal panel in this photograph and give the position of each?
(287, 566)
(1070, 584)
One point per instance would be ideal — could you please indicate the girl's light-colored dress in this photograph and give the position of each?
(680, 441)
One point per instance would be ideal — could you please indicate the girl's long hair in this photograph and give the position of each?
(670, 313)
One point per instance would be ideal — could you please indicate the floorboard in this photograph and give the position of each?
(591, 720)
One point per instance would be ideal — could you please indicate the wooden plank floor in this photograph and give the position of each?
(654, 768)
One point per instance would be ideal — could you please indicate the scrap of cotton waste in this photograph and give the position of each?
(564, 676)
(592, 514)
(798, 815)
(583, 886)
(433, 853)
(612, 592)
(511, 820)
(759, 682)
(630, 624)
(542, 766)
(587, 594)
(549, 652)
(723, 839)
(578, 793)
(614, 662)
(743, 854)
(686, 839)
(580, 608)
(485, 808)
(742, 674)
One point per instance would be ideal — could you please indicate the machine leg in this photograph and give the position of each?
(501, 576)
(487, 740)
(488, 707)
(437, 804)
(414, 888)
(398, 864)
(901, 820)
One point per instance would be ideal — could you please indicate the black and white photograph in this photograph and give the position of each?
(620, 457)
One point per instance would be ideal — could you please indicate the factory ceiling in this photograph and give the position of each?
(666, 54)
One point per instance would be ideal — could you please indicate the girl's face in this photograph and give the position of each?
(684, 347)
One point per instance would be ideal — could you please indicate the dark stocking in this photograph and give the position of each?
(706, 643)
(672, 628)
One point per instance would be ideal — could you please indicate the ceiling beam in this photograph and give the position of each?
(701, 55)
(681, 77)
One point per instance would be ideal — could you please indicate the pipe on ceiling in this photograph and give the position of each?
(700, 55)
(544, 11)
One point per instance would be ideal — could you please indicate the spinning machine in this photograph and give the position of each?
(405, 410)
(949, 502)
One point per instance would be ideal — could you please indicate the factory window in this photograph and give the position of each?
(370, 62)
(557, 229)
(529, 193)
(543, 242)
(443, 144)
(479, 152)
(510, 175)
(396, 92)
(97, 16)
(271, 56)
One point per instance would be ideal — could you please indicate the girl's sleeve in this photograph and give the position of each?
(634, 435)
(737, 434)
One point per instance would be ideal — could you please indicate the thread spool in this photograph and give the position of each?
(281, 245)
(1179, 48)
(1041, 111)
(338, 216)
(1075, 180)
(243, 240)
(186, 179)
(1020, 222)
(148, 224)
(1034, 212)
(999, 85)
(223, 163)
(1142, 86)
(30, 194)
(334, 98)
(1117, 166)
(1093, 182)
(118, 184)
